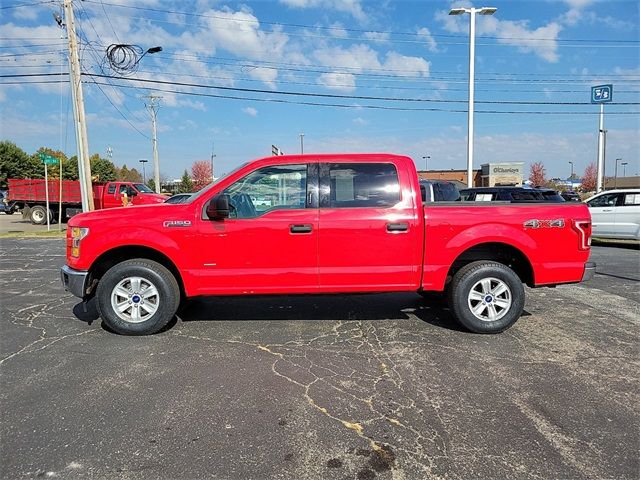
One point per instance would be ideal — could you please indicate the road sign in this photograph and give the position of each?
(48, 159)
(602, 94)
(276, 151)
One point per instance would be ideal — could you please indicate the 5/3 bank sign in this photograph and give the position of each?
(602, 94)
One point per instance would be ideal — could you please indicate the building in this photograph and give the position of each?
(502, 174)
(622, 182)
(489, 175)
(456, 176)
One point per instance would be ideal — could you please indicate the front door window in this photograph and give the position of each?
(271, 188)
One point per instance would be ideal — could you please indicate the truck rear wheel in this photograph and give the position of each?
(38, 215)
(137, 297)
(486, 297)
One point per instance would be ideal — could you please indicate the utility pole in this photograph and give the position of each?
(213, 155)
(153, 106)
(84, 167)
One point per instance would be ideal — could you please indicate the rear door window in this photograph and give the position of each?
(631, 199)
(363, 185)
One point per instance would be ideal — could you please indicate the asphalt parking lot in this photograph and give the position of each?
(359, 387)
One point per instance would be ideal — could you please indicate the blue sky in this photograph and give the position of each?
(529, 51)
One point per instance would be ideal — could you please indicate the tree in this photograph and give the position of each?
(186, 184)
(589, 178)
(201, 174)
(125, 175)
(537, 175)
(102, 170)
(16, 163)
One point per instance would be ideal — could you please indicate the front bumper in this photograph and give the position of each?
(74, 281)
(589, 271)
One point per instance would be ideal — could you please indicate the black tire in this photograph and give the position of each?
(38, 215)
(8, 212)
(165, 303)
(486, 279)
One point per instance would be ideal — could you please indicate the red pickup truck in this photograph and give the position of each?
(29, 195)
(309, 224)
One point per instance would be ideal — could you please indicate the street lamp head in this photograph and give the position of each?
(457, 11)
(154, 50)
(624, 163)
(487, 10)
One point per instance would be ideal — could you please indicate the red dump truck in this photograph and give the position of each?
(29, 195)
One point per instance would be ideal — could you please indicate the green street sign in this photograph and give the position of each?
(48, 159)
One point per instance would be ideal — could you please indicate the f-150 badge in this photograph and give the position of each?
(177, 223)
(534, 223)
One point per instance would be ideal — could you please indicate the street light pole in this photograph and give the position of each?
(472, 52)
(144, 175)
(302, 143)
(426, 162)
(624, 169)
(615, 175)
(571, 163)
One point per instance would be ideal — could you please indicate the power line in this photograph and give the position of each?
(356, 106)
(355, 30)
(375, 107)
(315, 95)
(372, 87)
(338, 96)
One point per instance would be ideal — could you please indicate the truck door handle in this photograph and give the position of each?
(608, 210)
(306, 228)
(397, 227)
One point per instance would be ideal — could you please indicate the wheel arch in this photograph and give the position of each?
(500, 252)
(116, 255)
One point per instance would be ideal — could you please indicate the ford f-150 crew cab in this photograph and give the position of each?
(331, 223)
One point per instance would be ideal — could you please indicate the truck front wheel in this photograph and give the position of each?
(137, 297)
(486, 297)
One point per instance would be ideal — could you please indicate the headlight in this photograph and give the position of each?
(77, 234)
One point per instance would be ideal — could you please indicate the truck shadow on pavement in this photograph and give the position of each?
(369, 307)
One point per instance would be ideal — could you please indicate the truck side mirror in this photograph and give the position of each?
(218, 207)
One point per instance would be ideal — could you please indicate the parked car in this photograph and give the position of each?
(570, 196)
(439, 191)
(179, 198)
(510, 194)
(338, 223)
(4, 203)
(616, 214)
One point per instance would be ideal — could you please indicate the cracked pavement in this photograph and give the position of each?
(336, 387)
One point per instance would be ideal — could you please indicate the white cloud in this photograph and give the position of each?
(425, 35)
(252, 112)
(352, 7)
(541, 41)
(344, 82)
(337, 30)
(360, 121)
(406, 66)
(380, 37)
(357, 57)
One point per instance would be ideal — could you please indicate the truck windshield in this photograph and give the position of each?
(142, 188)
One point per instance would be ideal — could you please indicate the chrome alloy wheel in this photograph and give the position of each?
(135, 299)
(489, 299)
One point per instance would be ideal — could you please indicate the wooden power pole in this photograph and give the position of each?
(153, 105)
(84, 167)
